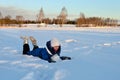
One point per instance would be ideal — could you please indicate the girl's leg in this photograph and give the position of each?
(34, 42)
(25, 49)
(35, 47)
(25, 44)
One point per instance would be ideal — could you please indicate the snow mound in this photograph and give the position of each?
(107, 44)
(70, 40)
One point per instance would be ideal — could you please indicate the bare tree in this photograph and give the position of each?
(7, 20)
(82, 15)
(1, 15)
(1, 21)
(81, 21)
(19, 20)
(62, 17)
(40, 16)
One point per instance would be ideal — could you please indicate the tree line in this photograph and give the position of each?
(61, 19)
(95, 21)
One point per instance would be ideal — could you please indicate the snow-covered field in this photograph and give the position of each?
(95, 54)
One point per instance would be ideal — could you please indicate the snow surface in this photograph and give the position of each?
(95, 54)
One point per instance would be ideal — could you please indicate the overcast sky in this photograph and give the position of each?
(52, 8)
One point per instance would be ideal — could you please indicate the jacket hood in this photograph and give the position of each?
(51, 50)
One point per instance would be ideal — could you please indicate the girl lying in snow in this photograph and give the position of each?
(51, 52)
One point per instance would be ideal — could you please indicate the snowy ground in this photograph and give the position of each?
(95, 54)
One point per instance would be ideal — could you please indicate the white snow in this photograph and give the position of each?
(95, 53)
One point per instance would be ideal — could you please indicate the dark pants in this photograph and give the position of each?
(26, 48)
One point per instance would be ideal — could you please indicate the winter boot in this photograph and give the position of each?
(33, 40)
(25, 39)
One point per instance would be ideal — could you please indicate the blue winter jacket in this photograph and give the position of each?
(45, 53)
